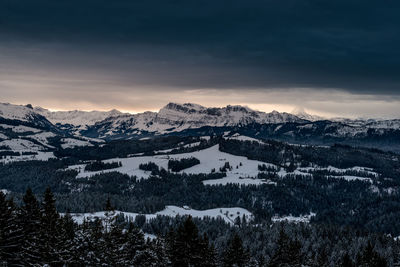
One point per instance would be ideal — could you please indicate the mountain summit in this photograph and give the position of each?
(176, 117)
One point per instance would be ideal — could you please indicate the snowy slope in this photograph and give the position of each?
(16, 112)
(239, 137)
(23, 114)
(19, 128)
(227, 214)
(40, 155)
(243, 170)
(72, 142)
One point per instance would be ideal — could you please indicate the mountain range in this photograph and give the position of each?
(74, 128)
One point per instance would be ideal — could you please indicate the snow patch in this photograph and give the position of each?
(229, 215)
(72, 142)
(294, 219)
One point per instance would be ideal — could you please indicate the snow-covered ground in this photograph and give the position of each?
(234, 179)
(42, 138)
(3, 136)
(21, 145)
(15, 112)
(351, 178)
(4, 191)
(340, 173)
(227, 214)
(239, 137)
(19, 128)
(72, 142)
(244, 171)
(210, 158)
(294, 219)
(42, 156)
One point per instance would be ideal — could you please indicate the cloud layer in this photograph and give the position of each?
(85, 51)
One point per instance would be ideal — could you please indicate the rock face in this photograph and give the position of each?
(178, 117)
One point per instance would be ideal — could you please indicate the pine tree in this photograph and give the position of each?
(160, 257)
(287, 253)
(66, 239)
(109, 219)
(94, 246)
(207, 252)
(10, 232)
(114, 241)
(134, 244)
(185, 246)
(370, 258)
(30, 222)
(235, 254)
(346, 261)
(50, 230)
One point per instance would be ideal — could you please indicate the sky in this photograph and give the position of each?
(332, 58)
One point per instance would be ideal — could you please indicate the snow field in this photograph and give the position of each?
(243, 170)
(227, 214)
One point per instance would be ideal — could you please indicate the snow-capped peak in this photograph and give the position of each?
(76, 117)
(16, 112)
(301, 113)
(178, 117)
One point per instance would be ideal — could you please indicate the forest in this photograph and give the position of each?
(35, 234)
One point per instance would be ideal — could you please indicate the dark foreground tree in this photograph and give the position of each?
(30, 220)
(370, 258)
(187, 248)
(10, 231)
(235, 254)
(287, 253)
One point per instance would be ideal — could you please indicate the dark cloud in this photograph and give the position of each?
(345, 44)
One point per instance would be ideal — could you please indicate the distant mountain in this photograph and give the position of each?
(76, 117)
(78, 128)
(178, 117)
(301, 113)
(24, 115)
(27, 134)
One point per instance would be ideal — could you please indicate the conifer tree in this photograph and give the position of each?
(30, 220)
(50, 230)
(135, 243)
(10, 231)
(66, 238)
(207, 252)
(287, 253)
(235, 254)
(346, 261)
(370, 258)
(109, 215)
(186, 246)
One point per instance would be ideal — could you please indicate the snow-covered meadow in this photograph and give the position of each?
(243, 170)
(229, 215)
